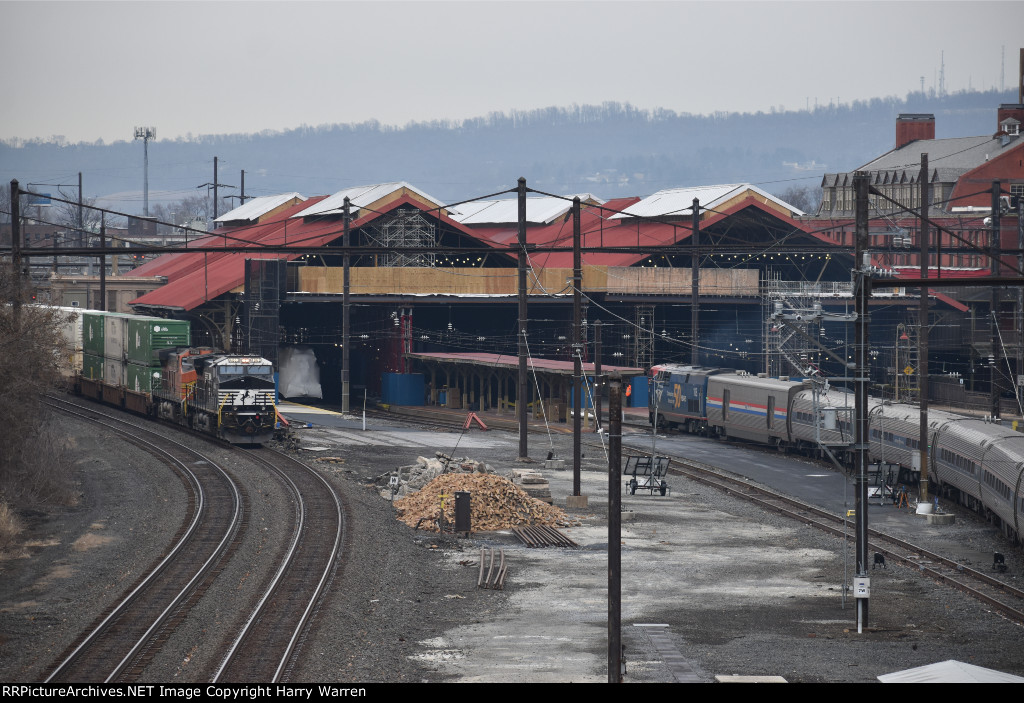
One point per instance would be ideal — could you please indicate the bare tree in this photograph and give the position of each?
(34, 467)
(806, 198)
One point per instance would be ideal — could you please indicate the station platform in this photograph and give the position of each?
(331, 416)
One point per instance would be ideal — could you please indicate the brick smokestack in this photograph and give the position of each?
(910, 127)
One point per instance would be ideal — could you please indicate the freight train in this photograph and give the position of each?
(146, 365)
(976, 462)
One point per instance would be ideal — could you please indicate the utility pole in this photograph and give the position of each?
(923, 330)
(598, 381)
(16, 247)
(694, 283)
(522, 390)
(81, 218)
(862, 293)
(103, 263)
(345, 309)
(241, 200)
(614, 530)
(215, 186)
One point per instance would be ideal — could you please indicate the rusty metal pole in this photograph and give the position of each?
(522, 389)
(923, 330)
(577, 345)
(614, 529)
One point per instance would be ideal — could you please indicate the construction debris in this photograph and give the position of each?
(495, 504)
(415, 476)
(533, 483)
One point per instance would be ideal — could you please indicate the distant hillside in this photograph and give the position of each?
(610, 150)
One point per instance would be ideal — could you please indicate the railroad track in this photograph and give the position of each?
(268, 646)
(1001, 596)
(124, 639)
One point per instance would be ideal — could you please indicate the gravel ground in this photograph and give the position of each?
(759, 593)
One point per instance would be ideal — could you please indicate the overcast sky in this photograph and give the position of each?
(91, 70)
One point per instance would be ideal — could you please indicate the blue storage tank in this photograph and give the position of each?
(403, 388)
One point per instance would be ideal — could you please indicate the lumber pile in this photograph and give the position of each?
(495, 504)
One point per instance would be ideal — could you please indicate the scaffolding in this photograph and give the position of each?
(264, 289)
(788, 351)
(643, 348)
(405, 228)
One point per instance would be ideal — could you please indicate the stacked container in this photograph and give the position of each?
(122, 350)
(114, 330)
(93, 334)
(144, 338)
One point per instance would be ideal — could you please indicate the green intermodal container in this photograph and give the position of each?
(146, 336)
(92, 332)
(92, 366)
(142, 379)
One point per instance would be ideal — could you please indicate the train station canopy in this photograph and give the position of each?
(510, 362)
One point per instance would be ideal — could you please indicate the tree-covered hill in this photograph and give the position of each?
(610, 150)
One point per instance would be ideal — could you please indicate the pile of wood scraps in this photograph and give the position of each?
(495, 504)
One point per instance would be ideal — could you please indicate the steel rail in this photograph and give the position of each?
(200, 508)
(883, 543)
(289, 563)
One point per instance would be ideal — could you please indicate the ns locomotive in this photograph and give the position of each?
(978, 463)
(145, 365)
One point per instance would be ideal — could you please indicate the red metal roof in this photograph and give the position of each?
(598, 230)
(196, 278)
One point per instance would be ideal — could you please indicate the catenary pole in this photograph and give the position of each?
(521, 393)
(345, 309)
(577, 345)
(694, 283)
(614, 529)
(861, 183)
(923, 330)
(598, 381)
(994, 251)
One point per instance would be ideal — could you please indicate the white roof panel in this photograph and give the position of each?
(360, 196)
(542, 210)
(678, 202)
(257, 207)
